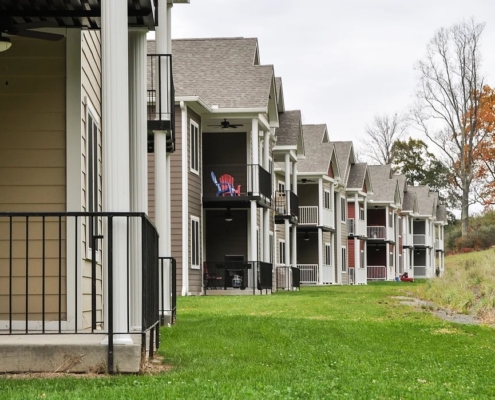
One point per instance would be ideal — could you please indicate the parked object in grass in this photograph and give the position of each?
(405, 278)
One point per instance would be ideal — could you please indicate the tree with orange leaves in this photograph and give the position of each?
(484, 154)
(448, 106)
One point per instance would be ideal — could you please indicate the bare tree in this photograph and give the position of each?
(380, 138)
(448, 100)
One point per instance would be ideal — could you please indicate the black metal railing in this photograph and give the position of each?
(48, 259)
(288, 278)
(286, 204)
(161, 98)
(168, 280)
(239, 180)
(254, 275)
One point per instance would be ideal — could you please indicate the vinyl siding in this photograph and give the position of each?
(32, 173)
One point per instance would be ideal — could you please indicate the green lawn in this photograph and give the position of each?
(332, 342)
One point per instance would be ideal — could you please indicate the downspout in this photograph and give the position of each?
(185, 203)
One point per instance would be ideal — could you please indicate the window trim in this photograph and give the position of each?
(343, 209)
(343, 252)
(92, 154)
(194, 147)
(328, 253)
(325, 197)
(281, 254)
(195, 252)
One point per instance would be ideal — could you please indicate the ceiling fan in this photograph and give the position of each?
(306, 180)
(10, 27)
(226, 124)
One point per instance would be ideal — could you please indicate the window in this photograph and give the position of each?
(281, 251)
(361, 259)
(390, 220)
(326, 200)
(391, 259)
(195, 247)
(343, 207)
(281, 186)
(399, 223)
(328, 254)
(344, 259)
(92, 180)
(194, 153)
(361, 213)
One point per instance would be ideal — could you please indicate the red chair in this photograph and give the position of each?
(228, 180)
(211, 280)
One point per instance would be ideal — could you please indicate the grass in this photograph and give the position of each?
(330, 342)
(467, 286)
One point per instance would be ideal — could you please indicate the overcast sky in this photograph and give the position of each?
(341, 61)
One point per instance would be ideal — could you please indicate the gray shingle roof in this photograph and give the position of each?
(318, 154)
(357, 176)
(441, 214)
(278, 86)
(408, 201)
(426, 200)
(383, 186)
(289, 128)
(343, 150)
(221, 71)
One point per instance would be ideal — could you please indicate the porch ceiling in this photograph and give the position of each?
(73, 13)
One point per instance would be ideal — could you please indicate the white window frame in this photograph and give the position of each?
(92, 154)
(328, 254)
(281, 251)
(194, 147)
(361, 259)
(361, 213)
(343, 252)
(195, 237)
(343, 209)
(327, 199)
(281, 186)
(390, 258)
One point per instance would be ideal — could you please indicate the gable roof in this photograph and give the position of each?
(409, 201)
(426, 200)
(223, 72)
(318, 154)
(357, 176)
(345, 155)
(290, 128)
(280, 94)
(385, 189)
(441, 214)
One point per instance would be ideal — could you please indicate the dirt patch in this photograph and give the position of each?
(442, 313)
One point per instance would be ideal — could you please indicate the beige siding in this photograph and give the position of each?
(90, 102)
(32, 174)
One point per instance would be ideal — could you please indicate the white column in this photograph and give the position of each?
(255, 156)
(185, 202)
(138, 161)
(294, 226)
(338, 238)
(253, 256)
(162, 183)
(266, 211)
(357, 226)
(115, 116)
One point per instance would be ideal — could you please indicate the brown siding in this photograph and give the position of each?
(351, 210)
(32, 169)
(350, 249)
(194, 202)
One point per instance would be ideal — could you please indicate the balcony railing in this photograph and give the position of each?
(161, 97)
(309, 273)
(239, 180)
(287, 278)
(377, 232)
(419, 271)
(48, 258)
(254, 274)
(376, 272)
(308, 215)
(286, 204)
(419, 239)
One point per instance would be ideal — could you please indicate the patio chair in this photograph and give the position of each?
(222, 187)
(229, 180)
(211, 281)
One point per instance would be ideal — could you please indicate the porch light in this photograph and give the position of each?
(306, 236)
(5, 43)
(228, 215)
